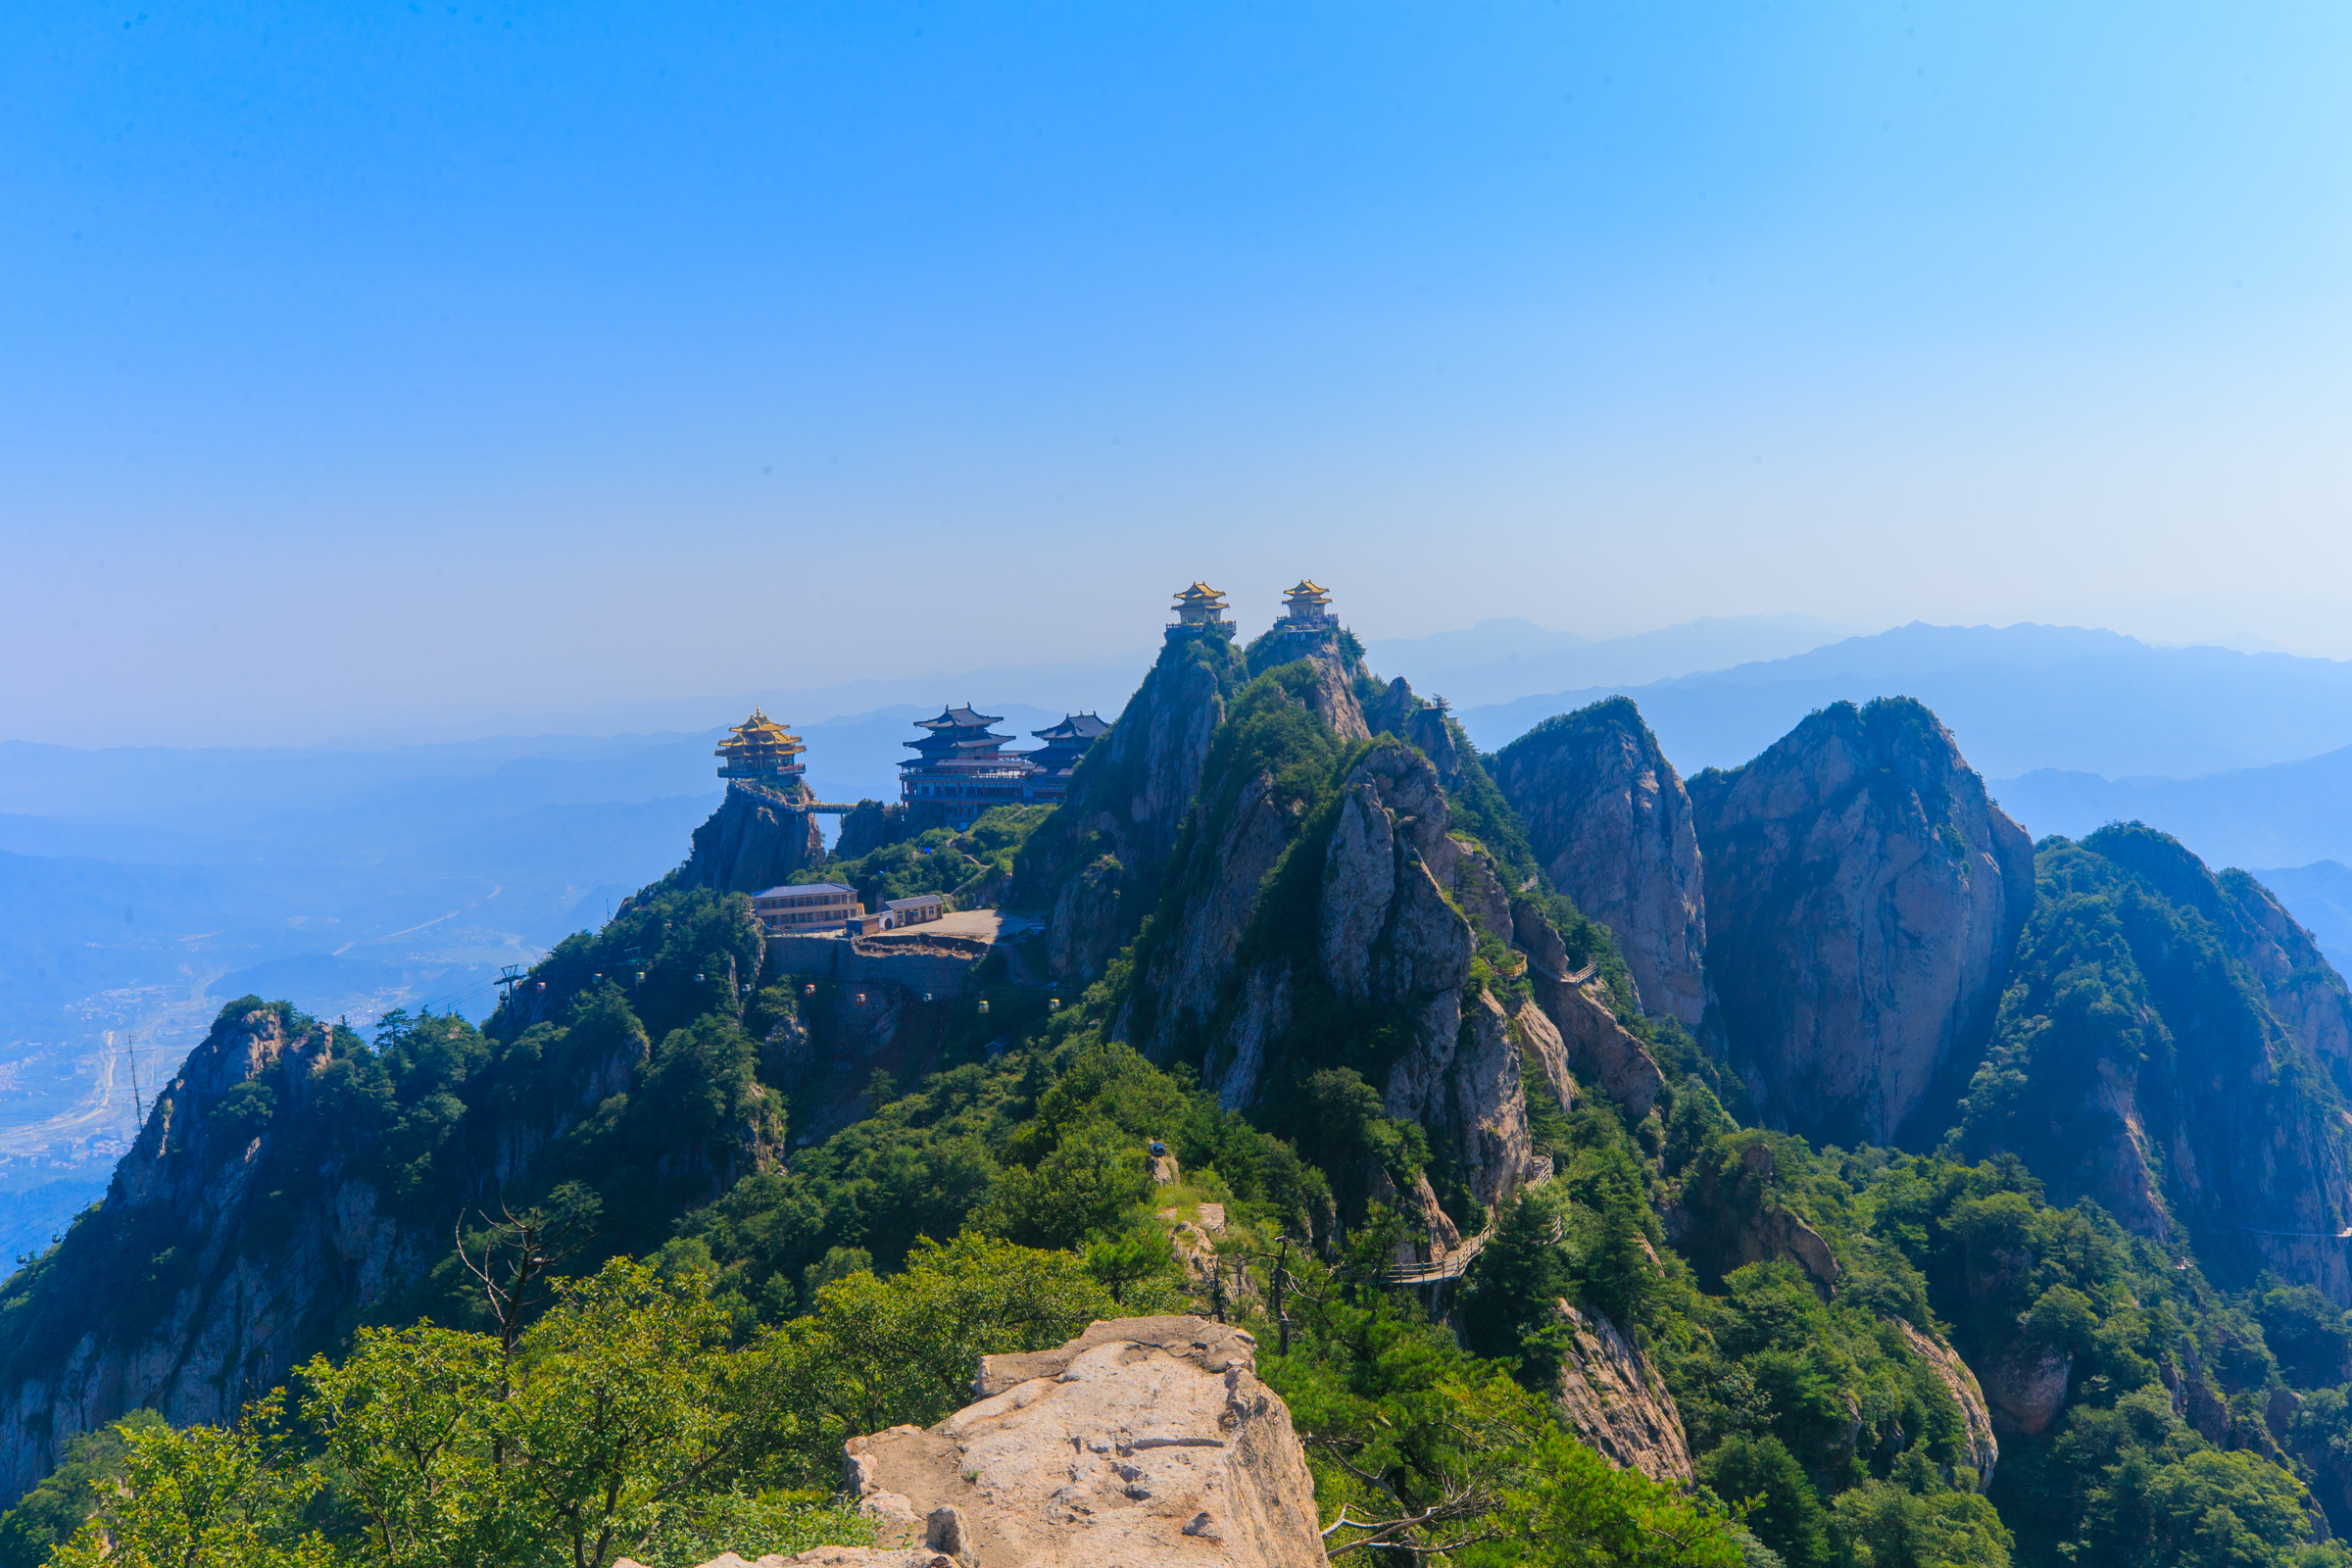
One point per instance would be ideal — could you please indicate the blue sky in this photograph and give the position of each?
(370, 362)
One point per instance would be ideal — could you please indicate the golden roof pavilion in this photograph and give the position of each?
(759, 747)
(1309, 601)
(1199, 603)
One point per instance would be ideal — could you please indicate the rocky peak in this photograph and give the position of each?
(2142, 1060)
(1863, 894)
(1612, 827)
(1128, 804)
(751, 841)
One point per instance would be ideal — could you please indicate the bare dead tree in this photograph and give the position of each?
(520, 1256)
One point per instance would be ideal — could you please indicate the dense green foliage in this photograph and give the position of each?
(963, 866)
(2128, 971)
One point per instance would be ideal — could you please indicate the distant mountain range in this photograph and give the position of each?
(2286, 814)
(1500, 660)
(2020, 699)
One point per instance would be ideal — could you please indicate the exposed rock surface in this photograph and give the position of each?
(1734, 1213)
(2027, 1388)
(1610, 821)
(868, 826)
(1984, 1451)
(1592, 1042)
(748, 844)
(1332, 696)
(1613, 1399)
(258, 1279)
(1084, 927)
(1128, 802)
(1142, 1442)
(2302, 987)
(1862, 898)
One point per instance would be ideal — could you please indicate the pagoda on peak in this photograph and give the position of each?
(1310, 600)
(1054, 762)
(1306, 622)
(959, 770)
(760, 750)
(1201, 613)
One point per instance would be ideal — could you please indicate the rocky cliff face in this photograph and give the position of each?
(1318, 912)
(1285, 918)
(291, 1179)
(216, 1319)
(1863, 895)
(1612, 826)
(1983, 1447)
(2140, 1060)
(1613, 1399)
(1127, 805)
(749, 844)
(1142, 1442)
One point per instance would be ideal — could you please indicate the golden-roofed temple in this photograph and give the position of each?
(1309, 601)
(759, 748)
(1201, 610)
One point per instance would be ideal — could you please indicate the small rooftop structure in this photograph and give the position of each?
(1201, 611)
(759, 750)
(1309, 601)
(1054, 762)
(897, 914)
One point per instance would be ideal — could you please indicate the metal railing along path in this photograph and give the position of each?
(1458, 1261)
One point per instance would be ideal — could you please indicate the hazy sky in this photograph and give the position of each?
(374, 360)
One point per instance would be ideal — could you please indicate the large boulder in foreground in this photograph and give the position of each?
(1145, 1441)
(1863, 897)
(1609, 819)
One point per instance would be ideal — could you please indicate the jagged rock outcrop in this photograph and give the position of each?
(1397, 711)
(1984, 1448)
(1083, 930)
(226, 1322)
(1612, 824)
(749, 843)
(1592, 1043)
(2139, 1061)
(1143, 1441)
(1733, 1213)
(2302, 987)
(1332, 696)
(868, 827)
(1614, 1400)
(2026, 1387)
(1863, 895)
(290, 1179)
(1128, 801)
(1388, 930)
(1364, 906)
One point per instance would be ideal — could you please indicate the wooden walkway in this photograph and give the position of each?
(1458, 1261)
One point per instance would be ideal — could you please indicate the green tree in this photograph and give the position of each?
(627, 1409)
(1509, 1302)
(409, 1418)
(1761, 1477)
(49, 1514)
(1882, 1525)
(204, 1498)
(884, 1353)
